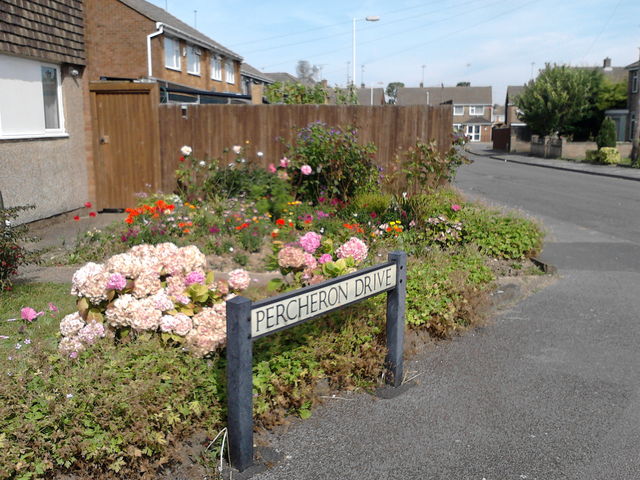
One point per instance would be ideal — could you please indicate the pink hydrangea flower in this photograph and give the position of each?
(29, 314)
(354, 248)
(310, 241)
(195, 277)
(116, 282)
(239, 279)
(324, 258)
(306, 170)
(291, 257)
(310, 262)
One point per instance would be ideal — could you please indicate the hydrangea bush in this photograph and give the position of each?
(150, 289)
(312, 259)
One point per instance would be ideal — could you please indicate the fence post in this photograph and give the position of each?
(396, 300)
(240, 382)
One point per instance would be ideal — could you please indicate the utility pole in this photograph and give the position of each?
(422, 82)
(635, 138)
(195, 19)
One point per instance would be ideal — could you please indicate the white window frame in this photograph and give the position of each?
(458, 107)
(229, 72)
(473, 132)
(175, 63)
(43, 132)
(216, 68)
(192, 54)
(634, 82)
(473, 110)
(457, 127)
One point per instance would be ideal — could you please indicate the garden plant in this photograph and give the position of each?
(114, 379)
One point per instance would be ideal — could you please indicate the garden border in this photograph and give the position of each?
(241, 334)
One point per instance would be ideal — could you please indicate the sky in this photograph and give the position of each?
(485, 42)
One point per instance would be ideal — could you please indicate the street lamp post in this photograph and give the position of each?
(370, 18)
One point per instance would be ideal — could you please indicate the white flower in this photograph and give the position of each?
(260, 154)
(186, 150)
(202, 163)
(236, 149)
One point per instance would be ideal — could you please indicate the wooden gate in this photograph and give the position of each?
(126, 141)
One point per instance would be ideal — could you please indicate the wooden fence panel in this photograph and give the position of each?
(209, 129)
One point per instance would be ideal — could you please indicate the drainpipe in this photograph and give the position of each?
(160, 31)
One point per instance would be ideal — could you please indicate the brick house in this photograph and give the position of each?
(253, 80)
(633, 99)
(42, 132)
(472, 107)
(511, 110)
(134, 39)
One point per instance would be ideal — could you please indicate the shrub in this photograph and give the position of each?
(502, 236)
(609, 155)
(12, 252)
(444, 291)
(592, 156)
(329, 162)
(607, 135)
(426, 167)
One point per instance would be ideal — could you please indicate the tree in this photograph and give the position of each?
(392, 91)
(306, 72)
(296, 93)
(607, 134)
(558, 99)
(463, 84)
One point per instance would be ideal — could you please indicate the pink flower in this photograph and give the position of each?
(194, 277)
(310, 241)
(52, 307)
(116, 282)
(29, 314)
(325, 258)
(272, 168)
(455, 207)
(306, 170)
(284, 162)
(354, 248)
(291, 257)
(239, 279)
(310, 262)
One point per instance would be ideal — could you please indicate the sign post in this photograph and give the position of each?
(247, 321)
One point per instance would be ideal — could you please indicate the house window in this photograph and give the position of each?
(477, 110)
(171, 53)
(458, 109)
(30, 99)
(216, 68)
(457, 127)
(230, 71)
(193, 60)
(634, 82)
(473, 132)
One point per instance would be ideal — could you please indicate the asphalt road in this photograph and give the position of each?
(549, 390)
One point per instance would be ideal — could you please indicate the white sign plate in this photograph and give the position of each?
(316, 301)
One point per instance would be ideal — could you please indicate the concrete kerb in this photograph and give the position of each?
(503, 158)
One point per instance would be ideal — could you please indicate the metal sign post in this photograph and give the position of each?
(247, 321)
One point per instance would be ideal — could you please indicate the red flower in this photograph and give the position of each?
(92, 214)
(280, 222)
(76, 218)
(87, 204)
(373, 214)
(182, 159)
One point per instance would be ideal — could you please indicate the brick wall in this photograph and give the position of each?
(116, 43)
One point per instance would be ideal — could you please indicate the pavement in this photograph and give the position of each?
(613, 171)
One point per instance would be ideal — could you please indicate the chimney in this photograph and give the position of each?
(257, 91)
(606, 66)
(421, 85)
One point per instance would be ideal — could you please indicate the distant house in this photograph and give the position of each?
(610, 73)
(633, 98)
(472, 107)
(370, 96)
(283, 77)
(135, 40)
(512, 116)
(42, 131)
(497, 114)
